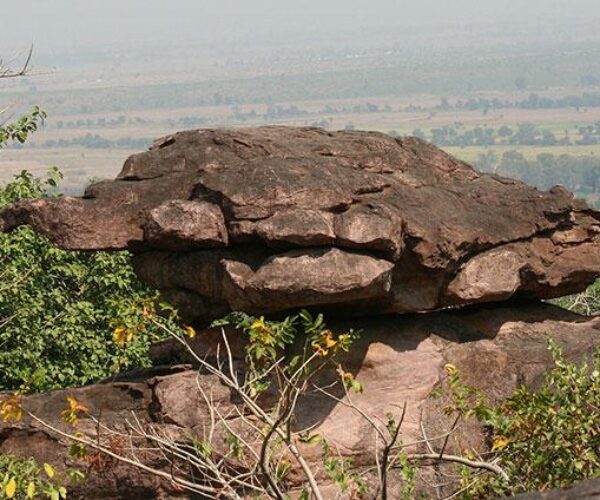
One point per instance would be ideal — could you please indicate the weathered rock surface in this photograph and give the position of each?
(398, 359)
(272, 218)
(588, 490)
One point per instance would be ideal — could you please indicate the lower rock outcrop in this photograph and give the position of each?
(584, 490)
(398, 360)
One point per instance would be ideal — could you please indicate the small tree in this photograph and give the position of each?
(56, 307)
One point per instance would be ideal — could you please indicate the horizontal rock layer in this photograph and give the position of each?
(273, 218)
(397, 360)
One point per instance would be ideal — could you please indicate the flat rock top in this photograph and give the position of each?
(269, 201)
(443, 206)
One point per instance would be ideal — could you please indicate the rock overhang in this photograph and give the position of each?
(273, 218)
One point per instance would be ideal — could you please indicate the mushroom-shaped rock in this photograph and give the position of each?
(273, 218)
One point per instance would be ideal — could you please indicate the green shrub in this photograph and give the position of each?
(549, 438)
(587, 302)
(56, 307)
(22, 478)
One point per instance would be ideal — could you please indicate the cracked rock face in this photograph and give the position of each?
(268, 219)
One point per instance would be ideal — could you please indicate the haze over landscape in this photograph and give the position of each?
(510, 86)
(97, 22)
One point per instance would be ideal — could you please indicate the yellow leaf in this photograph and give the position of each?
(258, 324)
(49, 470)
(31, 490)
(450, 369)
(499, 443)
(76, 405)
(73, 412)
(11, 488)
(319, 350)
(122, 336)
(191, 333)
(327, 339)
(11, 409)
(260, 327)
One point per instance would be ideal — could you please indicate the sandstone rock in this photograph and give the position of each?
(181, 225)
(397, 359)
(584, 490)
(274, 218)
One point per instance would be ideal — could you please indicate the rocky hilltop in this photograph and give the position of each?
(269, 219)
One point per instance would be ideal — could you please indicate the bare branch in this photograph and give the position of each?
(385, 455)
(460, 460)
(7, 72)
(181, 482)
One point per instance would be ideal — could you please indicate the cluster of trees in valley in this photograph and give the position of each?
(579, 174)
(524, 134)
(96, 141)
(533, 101)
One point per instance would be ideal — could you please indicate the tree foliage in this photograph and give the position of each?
(552, 435)
(24, 478)
(543, 439)
(587, 302)
(57, 307)
(20, 130)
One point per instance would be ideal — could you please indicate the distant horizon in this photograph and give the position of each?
(102, 23)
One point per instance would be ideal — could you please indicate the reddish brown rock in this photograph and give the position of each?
(273, 218)
(397, 360)
(583, 490)
(182, 225)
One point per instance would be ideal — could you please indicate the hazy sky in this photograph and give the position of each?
(48, 22)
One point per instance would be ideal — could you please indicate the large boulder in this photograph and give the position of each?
(398, 360)
(268, 219)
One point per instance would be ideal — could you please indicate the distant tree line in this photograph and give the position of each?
(579, 174)
(273, 112)
(524, 134)
(122, 121)
(91, 141)
(533, 101)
